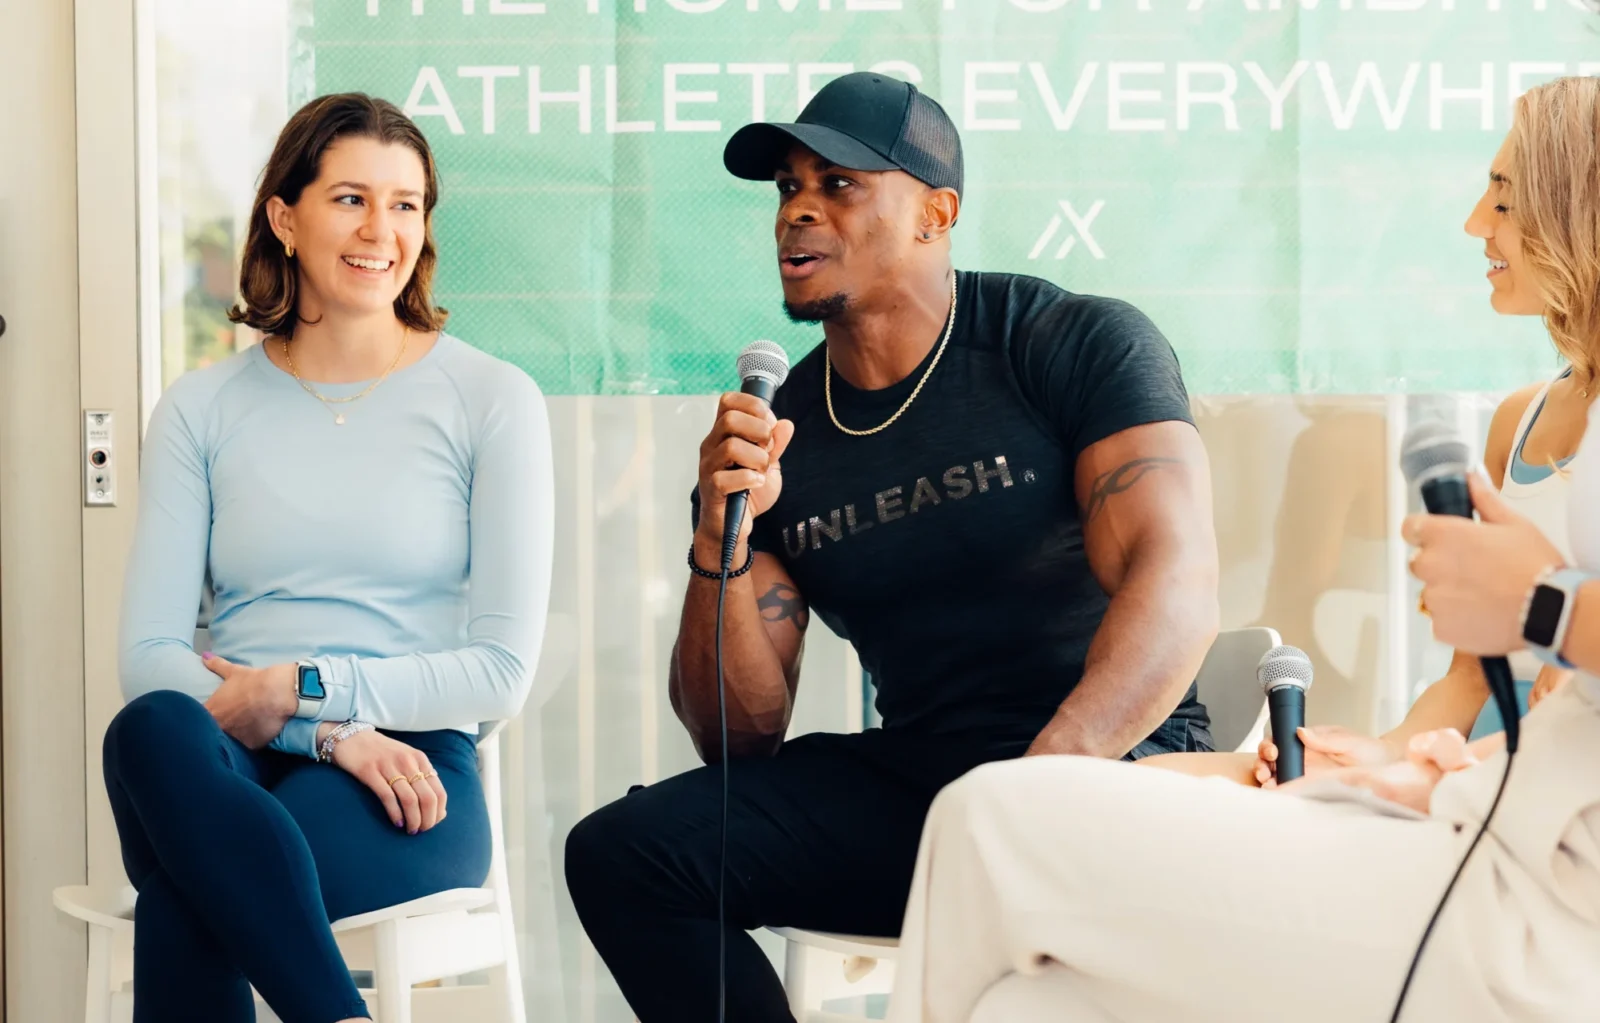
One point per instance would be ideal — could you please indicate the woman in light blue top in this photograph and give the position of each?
(369, 502)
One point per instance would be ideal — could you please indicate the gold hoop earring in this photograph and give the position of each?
(288, 250)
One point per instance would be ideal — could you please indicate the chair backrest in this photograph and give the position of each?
(1228, 686)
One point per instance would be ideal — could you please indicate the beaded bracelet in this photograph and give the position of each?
(702, 573)
(338, 735)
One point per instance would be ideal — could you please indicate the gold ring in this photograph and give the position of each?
(419, 776)
(398, 777)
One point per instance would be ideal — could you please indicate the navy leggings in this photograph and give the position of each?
(242, 858)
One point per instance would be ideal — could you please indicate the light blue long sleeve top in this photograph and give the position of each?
(407, 552)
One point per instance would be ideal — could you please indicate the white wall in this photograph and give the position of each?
(41, 620)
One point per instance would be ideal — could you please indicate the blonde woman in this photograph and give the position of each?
(1532, 437)
(1269, 906)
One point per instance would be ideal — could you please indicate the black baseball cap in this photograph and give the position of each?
(862, 121)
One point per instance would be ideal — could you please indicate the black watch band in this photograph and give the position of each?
(1548, 611)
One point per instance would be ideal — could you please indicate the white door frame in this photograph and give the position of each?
(111, 179)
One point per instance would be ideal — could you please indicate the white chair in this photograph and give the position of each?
(1238, 708)
(441, 936)
(1230, 691)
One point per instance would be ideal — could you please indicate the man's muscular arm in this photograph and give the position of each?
(1145, 495)
(763, 618)
(764, 621)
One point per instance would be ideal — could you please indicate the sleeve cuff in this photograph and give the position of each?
(338, 680)
(299, 736)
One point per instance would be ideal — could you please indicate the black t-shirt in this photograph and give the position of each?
(948, 548)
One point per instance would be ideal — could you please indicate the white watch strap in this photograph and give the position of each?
(307, 708)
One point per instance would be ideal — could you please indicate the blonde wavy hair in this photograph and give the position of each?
(1555, 200)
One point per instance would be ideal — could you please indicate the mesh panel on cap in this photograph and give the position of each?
(929, 148)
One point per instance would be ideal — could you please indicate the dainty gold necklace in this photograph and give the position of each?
(827, 376)
(338, 417)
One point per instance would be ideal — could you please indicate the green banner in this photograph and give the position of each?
(1280, 184)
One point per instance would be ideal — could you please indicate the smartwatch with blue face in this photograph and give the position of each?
(308, 688)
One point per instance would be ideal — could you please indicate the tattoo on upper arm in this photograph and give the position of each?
(782, 602)
(1123, 477)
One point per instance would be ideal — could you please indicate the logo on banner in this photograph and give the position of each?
(1079, 230)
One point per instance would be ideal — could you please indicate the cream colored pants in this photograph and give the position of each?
(1065, 889)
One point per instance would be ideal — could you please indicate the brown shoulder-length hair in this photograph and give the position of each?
(268, 280)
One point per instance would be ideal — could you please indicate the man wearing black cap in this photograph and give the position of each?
(992, 487)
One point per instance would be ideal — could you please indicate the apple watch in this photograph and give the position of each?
(1549, 611)
(308, 689)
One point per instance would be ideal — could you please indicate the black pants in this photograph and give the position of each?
(821, 836)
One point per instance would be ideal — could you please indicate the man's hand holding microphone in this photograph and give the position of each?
(741, 453)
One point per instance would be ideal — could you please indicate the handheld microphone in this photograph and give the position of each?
(1285, 675)
(763, 366)
(1435, 460)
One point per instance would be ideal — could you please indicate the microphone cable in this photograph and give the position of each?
(1436, 460)
(1416, 959)
(729, 546)
(722, 852)
(763, 367)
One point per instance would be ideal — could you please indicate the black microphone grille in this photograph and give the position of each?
(1433, 448)
(1284, 665)
(764, 359)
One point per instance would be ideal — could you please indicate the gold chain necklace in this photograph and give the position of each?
(338, 418)
(827, 376)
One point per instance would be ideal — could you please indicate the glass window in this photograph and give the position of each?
(221, 95)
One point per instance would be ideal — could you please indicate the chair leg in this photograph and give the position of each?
(794, 978)
(507, 996)
(97, 1001)
(393, 988)
(511, 978)
(509, 973)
